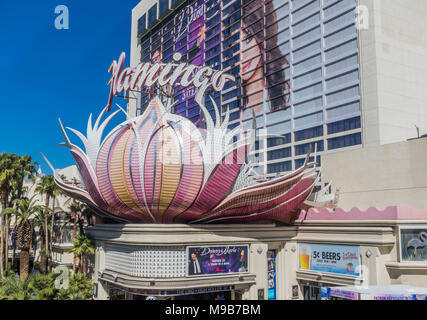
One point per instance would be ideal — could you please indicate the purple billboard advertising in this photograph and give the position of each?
(207, 260)
(248, 39)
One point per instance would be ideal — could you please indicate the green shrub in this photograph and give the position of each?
(42, 287)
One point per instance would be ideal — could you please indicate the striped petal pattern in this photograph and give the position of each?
(154, 169)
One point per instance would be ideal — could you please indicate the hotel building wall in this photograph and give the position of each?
(318, 44)
(380, 176)
(393, 68)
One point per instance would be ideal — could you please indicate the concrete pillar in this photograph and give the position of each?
(102, 293)
(290, 263)
(258, 266)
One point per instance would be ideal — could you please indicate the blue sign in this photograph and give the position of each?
(329, 258)
(271, 274)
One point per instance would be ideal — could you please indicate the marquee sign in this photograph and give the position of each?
(148, 75)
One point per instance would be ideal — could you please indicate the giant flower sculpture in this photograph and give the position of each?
(160, 168)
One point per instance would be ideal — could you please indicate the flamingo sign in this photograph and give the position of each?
(413, 243)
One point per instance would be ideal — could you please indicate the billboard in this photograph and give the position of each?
(214, 260)
(248, 39)
(329, 258)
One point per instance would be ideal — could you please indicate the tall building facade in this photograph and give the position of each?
(298, 68)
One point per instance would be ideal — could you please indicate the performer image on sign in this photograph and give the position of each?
(195, 264)
(264, 89)
(242, 262)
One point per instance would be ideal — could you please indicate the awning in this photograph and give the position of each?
(390, 292)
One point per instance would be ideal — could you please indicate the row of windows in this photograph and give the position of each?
(305, 71)
(287, 165)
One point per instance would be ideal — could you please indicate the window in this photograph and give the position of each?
(300, 13)
(280, 12)
(341, 49)
(229, 52)
(212, 51)
(234, 115)
(211, 31)
(308, 133)
(340, 35)
(152, 15)
(141, 24)
(278, 116)
(305, 37)
(342, 80)
(212, 21)
(338, 7)
(344, 125)
(214, 62)
(307, 120)
(231, 94)
(308, 77)
(233, 7)
(304, 148)
(343, 110)
(301, 26)
(345, 141)
(276, 141)
(174, 3)
(279, 167)
(307, 92)
(230, 41)
(231, 61)
(341, 20)
(343, 94)
(308, 105)
(307, 50)
(211, 41)
(279, 129)
(163, 7)
(193, 112)
(342, 64)
(227, 32)
(233, 18)
(279, 153)
(212, 11)
(307, 64)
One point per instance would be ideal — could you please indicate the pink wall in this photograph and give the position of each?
(372, 213)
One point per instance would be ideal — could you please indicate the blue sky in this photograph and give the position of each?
(47, 73)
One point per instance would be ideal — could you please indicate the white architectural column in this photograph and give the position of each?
(102, 293)
(258, 266)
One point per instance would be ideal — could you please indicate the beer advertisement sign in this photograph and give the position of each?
(329, 258)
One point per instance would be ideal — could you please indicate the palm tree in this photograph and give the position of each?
(24, 211)
(7, 172)
(75, 208)
(39, 222)
(24, 168)
(56, 192)
(82, 247)
(46, 187)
